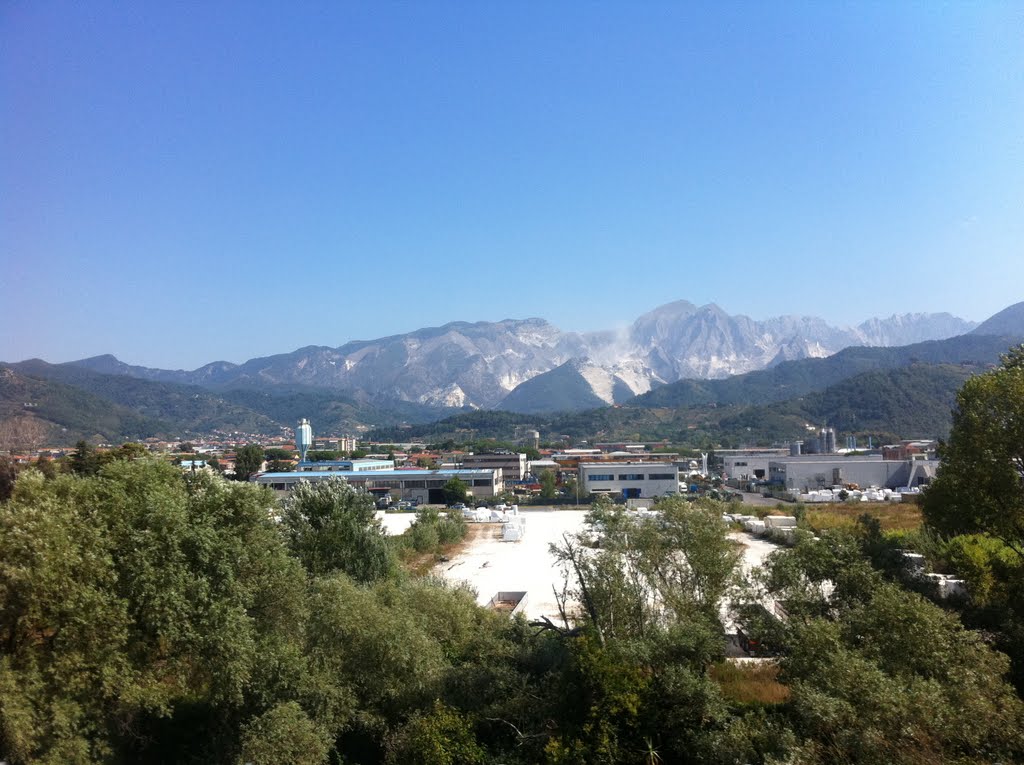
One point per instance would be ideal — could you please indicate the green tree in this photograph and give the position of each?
(441, 736)
(330, 526)
(248, 460)
(128, 451)
(85, 460)
(129, 594)
(284, 734)
(649, 572)
(547, 484)
(8, 475)
(455, 490)
(980, 482)
(281, 455)
(879, 674)
(46, 466)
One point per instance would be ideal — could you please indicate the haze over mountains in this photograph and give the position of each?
(678, 358)
(480, 364)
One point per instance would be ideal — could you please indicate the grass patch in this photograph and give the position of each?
(750, 682)
(898, 516)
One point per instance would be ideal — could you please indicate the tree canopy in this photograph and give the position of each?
(149, 616)
(980, 483)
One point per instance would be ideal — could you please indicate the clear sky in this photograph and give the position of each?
(191, 181)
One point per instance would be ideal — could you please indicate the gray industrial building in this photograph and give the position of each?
(748, 465)
(818, 471)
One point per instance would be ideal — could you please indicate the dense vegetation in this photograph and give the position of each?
(151, 617)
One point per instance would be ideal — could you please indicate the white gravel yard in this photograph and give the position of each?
(490, 565)
(755, 549)
(396, 523)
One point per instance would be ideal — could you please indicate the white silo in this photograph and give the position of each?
(303, 438)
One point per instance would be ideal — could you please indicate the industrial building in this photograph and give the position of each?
(630, 480)
(511, 464)
(808, 472)
(422, 485)
(748, 464)
(346, 466)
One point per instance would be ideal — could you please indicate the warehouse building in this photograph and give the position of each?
(809, 472)
(425, 486)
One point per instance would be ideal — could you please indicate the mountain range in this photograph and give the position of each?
(678, 357)
(501, 364)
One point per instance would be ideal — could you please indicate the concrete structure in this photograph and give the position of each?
(511, 464)
(748, 464)
(812, 471)
(345, 466)
(423, 485)
(630, 480)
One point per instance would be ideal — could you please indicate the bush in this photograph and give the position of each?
(424, 536)
(431, 530)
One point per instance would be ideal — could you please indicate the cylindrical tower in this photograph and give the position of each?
(303, 438)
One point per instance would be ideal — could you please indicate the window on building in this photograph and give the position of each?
(601, 477)
(662, 476)
(631, 476)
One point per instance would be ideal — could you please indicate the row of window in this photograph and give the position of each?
(385, 484)
(632, 477)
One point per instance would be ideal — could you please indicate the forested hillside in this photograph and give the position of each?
(81, 403)
(914, 400)
(69, 413)
(797, 378)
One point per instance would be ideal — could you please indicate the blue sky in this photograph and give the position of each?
(185, 182)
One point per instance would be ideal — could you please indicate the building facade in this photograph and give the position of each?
(426, 486)
(810, 472)
(512, 465)
(345, 466)
(630, 480)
